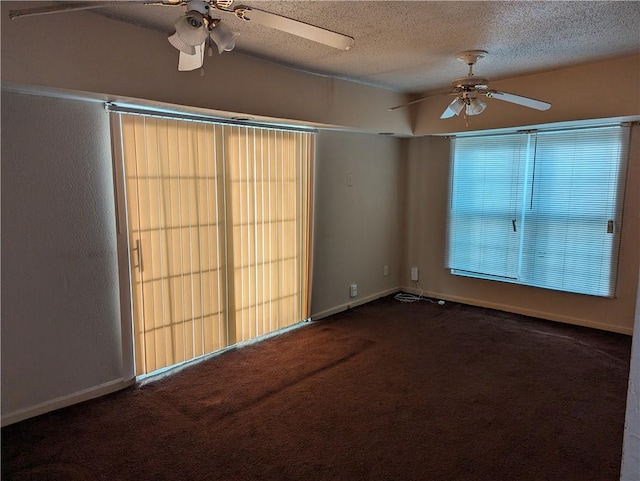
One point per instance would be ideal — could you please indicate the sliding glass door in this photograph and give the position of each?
(219, 226)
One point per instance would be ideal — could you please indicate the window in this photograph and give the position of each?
(219, 232)
(540, 208)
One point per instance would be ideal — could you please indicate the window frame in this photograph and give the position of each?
(527, 217)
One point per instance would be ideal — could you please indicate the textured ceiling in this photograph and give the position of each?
(410, 46)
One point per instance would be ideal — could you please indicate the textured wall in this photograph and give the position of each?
(357, 227)
(60, 305)
(631, 449)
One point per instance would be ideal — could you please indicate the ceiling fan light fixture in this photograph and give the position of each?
(457, 106)
(224, 38)
(187, 62)
(190, 31)
(180, 44)
(475, 106)
(454, 108)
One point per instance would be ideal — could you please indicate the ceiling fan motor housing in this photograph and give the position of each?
(466, 84)
(199, 6)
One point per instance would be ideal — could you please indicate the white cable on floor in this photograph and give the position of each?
(407, 298)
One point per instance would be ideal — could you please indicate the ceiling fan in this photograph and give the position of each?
(467, 91)
(201, 26)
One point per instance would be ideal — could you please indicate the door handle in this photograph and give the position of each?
(138, 250)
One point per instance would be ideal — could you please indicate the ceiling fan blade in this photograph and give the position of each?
(63, 7)
(295, 27)
(58, 8)
(421, 99)
(188, 62)
(518, 99)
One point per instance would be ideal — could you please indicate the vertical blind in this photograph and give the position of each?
(270, 219)
(219, 220)
(542, 209)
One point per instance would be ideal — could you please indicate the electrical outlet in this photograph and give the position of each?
(349, 179)
(385, 271)
(353, 290)
(414, 273)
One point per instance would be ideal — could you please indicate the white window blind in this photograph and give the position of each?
(486, 200)
(219, 229)
(571, 238)
(541, 209)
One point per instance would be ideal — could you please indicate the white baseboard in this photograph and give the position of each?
(549, 316)
(67, 400)
(353, 303)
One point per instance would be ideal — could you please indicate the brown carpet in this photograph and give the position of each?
(385, 391)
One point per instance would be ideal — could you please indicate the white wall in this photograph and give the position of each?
(631, 448)
(61, 331)
(357, 228)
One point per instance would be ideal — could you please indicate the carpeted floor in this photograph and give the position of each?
(385, 391)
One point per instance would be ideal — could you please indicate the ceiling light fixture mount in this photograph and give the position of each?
(471, 57)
